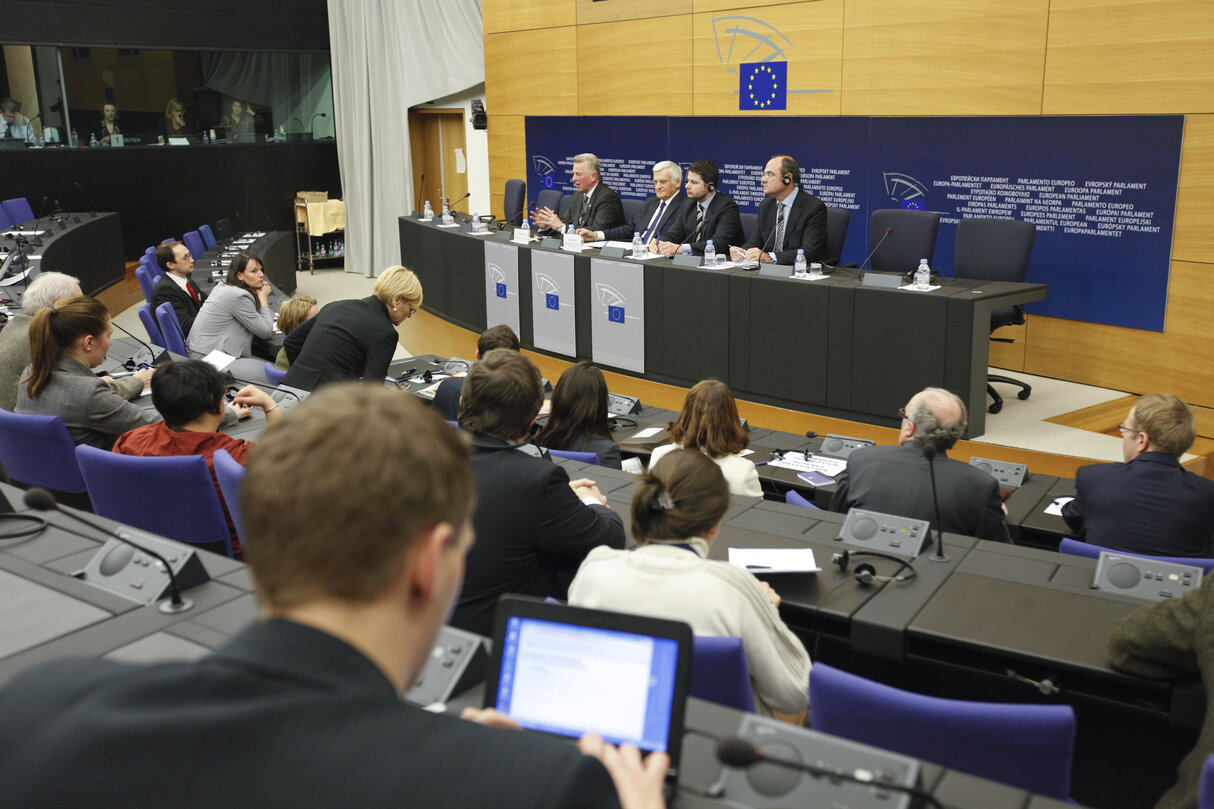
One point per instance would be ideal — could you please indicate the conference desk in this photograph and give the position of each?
(277, 251)
(86, 245)
(834, 347)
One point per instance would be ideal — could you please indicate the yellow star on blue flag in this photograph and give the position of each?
(763, 86)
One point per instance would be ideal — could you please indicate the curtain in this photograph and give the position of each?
(388, 56)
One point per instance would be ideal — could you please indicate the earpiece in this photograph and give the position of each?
(787, 178)
(712, 188)
(867, 574)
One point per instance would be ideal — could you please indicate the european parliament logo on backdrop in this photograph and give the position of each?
(763, 86)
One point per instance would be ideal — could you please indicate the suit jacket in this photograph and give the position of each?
(1150, 505)
(606, 210)
(894, 480)
(346, 340)
(14, 356)
(805, 228)
(281, 715)
(229, 321)
(530, 527)
(1173, 640)
(92, 412)
(167, 291)
(446, 396)
(722, 224)
(674, 209)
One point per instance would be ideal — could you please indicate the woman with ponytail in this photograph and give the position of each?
(68, 340)
(677, 510)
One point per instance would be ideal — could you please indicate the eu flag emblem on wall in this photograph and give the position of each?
(552, 301)
(763, 86)
(615, 314)
(912, 204)
(501, 290)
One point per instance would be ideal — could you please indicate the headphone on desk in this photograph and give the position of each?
(866, 574)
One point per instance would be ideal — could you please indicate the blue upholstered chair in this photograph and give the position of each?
(230, 474)
(516, 200)
(208, 236)
(193, 240)
(170, 329)
(549, 198)
(18, 210)
(584, 457)
(1077, 547)
(39, 451)
(147, 284)
(913, 237)
(837, 220)
(273, 375)
(149, 325)
(795, 498)
(719, 672)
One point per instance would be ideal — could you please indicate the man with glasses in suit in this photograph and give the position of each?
(594, 207)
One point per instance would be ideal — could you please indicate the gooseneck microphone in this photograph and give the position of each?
(41, 500)
(87, 198)
(312, 122)
(451, 205)
(131, 361)
(739, 753)
(873, 252)
(929, 452)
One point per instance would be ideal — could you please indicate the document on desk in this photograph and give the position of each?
(218, 360)
(648, 432)
(774, 560)
(810, 463)
(1055, 506)
(913, 288)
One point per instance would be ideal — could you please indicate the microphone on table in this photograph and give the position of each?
(130, 363)
(87, 198)
(41, 500)
(929, 452)
(451, 205)
(35, 238)
(874, 252)
(312, 122)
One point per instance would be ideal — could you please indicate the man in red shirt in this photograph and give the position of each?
(189, 395)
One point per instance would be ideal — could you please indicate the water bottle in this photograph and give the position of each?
(427, 211)
(75, 138)
(923, 275)
(92, 139)
(710, 253)
(205, 138)
(638, 247)
(446, 214)
(476, 222)
(800, 266)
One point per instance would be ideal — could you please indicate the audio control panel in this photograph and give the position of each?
(887, 533)
(457, 662)
(841, 446)
(1144, 578)
(1010, 475)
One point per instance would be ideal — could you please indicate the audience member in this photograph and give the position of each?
(709, 422)
(13, 125)
(238, 121)
(189, 395)
(174, 125)
(578, 420)
(709, 216)
(356, 561)
(677, 510)
(175, 286)
(354, 339)
(293, 313)
(233, 314)
(532, 523)
(446, 395)
(896, 480)
(67, 340)
(594, 206)
(1149, 504)
(108, 126)
(1173, 640)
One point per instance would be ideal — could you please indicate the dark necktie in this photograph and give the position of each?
(8, 130)
(779, 245)
(581, 218)
(657, 217)
(695, 236)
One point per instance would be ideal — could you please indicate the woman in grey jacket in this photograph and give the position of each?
(233, 314)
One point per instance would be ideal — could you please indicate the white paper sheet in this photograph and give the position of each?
(774, 560)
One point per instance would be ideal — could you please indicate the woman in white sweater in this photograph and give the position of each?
(676, 512)
(709, 422)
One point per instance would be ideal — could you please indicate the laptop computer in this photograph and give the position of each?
(568, 671)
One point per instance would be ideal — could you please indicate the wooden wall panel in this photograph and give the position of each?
(924, 57)
(1193, 236)
(730, 5)
(507, 157)
(1010, 356)
(523, 15)
(532, 72)
(1129, 56)
(808, 34)
(636, 67)
(590, 12)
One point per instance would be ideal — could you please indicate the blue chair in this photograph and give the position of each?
(1077, 547)
(632, 210)
(273, 375)
(719, 672)
(584, 457)
(1027, 746)
(750, 227)
(837, 220)
(549, 198)
(154, 270)
(149, 325)
(208, 236)
(913, 238)
(18, 210)
(1205, 795)
(193, 241)
(516, 199)
(795, 498)
(177, 495)
(5, 222)
(454, 425)
(170, 329)
(146, 282)
(562, 210)
(39, 451)
(230, 475)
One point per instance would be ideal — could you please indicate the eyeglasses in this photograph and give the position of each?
(1126, 429)
(767, 175)
(902, 414)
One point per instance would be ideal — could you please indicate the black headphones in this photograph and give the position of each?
(787, 178)
(867, 574)
(712, 188)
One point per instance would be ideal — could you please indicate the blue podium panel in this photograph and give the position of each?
(501, 285)
(617, 319)
(553, 308)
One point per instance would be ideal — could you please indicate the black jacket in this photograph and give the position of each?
(346, 340)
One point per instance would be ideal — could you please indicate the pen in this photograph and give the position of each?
(762, 463)
(758, 567)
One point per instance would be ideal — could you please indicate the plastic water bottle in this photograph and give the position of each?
(800, 266)
(638, 247)
(446, 215)
(923, 275)
(476, 222)
(427, 211)
(92, 139)
(710, 253)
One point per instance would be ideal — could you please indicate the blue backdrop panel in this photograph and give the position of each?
(1101, 189)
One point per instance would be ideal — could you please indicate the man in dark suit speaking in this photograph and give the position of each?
(175, 286)
(357, 556)
(895, 480)
(711, 216)
(789, 219)
(594, 207)
(658, 212)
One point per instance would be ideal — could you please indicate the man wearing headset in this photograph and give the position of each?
(788, 219)
(711, 216)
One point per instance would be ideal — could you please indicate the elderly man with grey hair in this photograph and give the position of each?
(42, 292)
(895, 480)
(657, 212)
(594, 207)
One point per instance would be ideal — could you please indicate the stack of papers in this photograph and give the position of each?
(774, 560)
(807, 463)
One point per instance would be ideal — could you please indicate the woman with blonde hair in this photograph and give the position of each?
(293, 313)
(709, 422)
(353, 339)
(174, 120)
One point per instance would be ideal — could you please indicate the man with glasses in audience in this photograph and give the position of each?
(175, 286)
(1149, 504)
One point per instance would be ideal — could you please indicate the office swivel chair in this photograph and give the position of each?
(996, 250)
(837, 220)
(912, 237)
(170, 329)
(516, 200)
(549, 198)
(18, 210)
